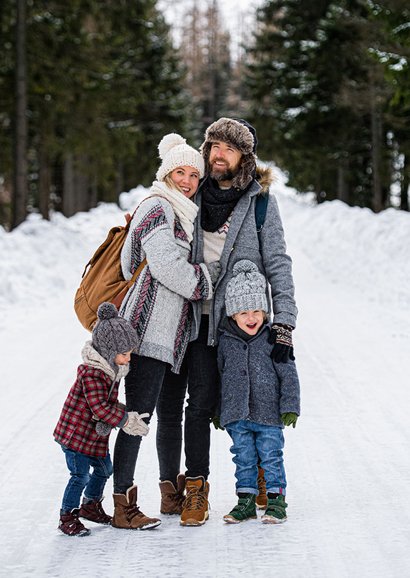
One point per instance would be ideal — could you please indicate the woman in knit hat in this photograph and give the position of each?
(89, 413)
(158, 304)
(258, 396)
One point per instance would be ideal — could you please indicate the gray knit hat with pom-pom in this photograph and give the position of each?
(246, 290)
(112, 334)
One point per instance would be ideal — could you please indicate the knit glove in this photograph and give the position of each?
(102, 428)
(216, 422)
(289, 418)
(281, 339)
(135, 425)
(214, 270)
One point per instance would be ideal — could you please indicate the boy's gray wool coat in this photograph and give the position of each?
(254, 387)
(242, 243)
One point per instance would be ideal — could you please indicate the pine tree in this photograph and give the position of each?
(319, 98)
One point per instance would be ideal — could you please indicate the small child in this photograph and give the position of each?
(258, 396)
(89, 413)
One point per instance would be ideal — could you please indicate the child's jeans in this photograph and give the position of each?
(93, 485)
(250, 441)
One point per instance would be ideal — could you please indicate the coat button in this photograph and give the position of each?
(244, 372)
(245, 347)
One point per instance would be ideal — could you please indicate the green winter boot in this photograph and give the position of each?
(275, 513)
(244, 510)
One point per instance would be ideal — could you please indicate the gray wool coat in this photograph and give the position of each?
(253, 387)
(242, 243)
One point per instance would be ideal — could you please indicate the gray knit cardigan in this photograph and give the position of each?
(253, 387)
(242, 243)
(158, 304)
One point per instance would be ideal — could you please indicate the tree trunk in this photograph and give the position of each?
(405, 186)
(44, 184)
(377, 200)
(20, 188)
(76, 188)
(342, 188)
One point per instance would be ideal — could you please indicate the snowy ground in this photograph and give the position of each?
(347, 461)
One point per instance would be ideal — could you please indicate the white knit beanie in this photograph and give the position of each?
(175, 152)
(246, 290)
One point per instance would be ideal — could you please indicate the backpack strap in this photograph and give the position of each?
(261, 206)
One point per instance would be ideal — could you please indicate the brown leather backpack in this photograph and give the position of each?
(102, 279)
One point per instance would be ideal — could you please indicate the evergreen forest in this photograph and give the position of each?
(88, 89)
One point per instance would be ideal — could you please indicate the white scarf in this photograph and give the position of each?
(185, 209)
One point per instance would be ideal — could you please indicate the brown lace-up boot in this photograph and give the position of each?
(127, 515)
(171, 497)
(261, 499)
(195, 506)
(94, 512)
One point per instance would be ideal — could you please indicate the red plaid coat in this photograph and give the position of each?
(88, 397)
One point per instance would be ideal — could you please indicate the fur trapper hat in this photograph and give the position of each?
(242, 136)
(246, 290)
(112, 334)
(175, 152)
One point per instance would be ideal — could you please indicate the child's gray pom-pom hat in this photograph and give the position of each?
(246, 290)
(112, 334)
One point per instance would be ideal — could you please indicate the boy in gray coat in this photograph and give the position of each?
(258, 395)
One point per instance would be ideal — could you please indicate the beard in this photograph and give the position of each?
(222, 174)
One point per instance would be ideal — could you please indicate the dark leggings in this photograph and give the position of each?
(142, 388)
(199, 375)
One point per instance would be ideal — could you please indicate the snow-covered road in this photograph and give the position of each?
(347, 461)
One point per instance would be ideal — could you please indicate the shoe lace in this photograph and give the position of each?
(132, 511)
(194, 500)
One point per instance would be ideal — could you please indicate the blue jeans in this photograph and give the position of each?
(80, 479)
(250, 441)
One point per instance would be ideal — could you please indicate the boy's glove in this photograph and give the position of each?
(216, 422)
(135, 425)
(281, 339)
(214, 269)
(289, 418)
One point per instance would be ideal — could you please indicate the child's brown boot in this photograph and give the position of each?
(93, 511)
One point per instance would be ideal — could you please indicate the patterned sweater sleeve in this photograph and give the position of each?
(95, 392)
(152, 229)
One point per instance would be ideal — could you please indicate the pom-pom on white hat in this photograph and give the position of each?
(175, 152)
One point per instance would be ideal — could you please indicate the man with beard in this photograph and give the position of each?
(226, 232)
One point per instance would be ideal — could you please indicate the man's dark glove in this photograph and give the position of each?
(217, 423)
(289, 418)
(281, 339)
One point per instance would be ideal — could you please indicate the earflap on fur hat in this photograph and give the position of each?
(112, 334)
(242, 136)
(175, 152)
(246, 290)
